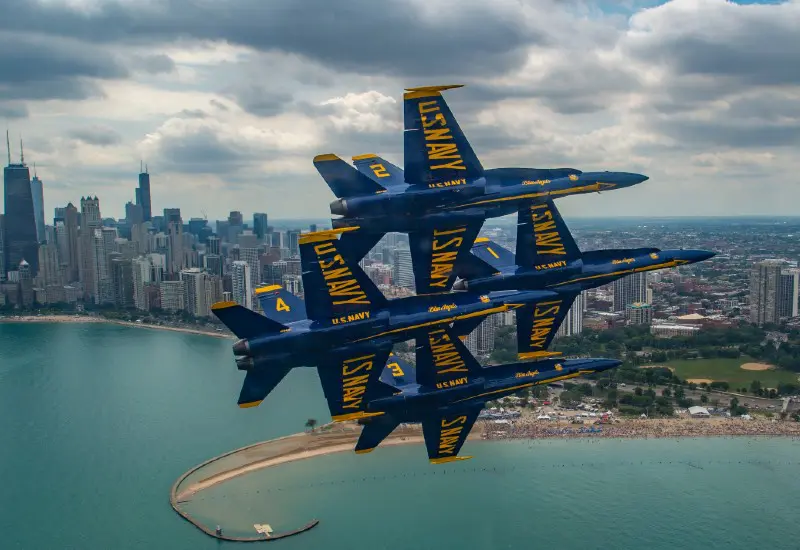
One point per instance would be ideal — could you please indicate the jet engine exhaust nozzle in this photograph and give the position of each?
(242, 347)
(339, 207)
(245, 363)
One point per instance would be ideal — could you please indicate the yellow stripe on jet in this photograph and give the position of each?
(365, 451)
(481, 240)
(270, 288)
(365, 156)
(428, 91)
(326, 157)
(223, 305)
(354, 416)
(251, 404)
(324, 235)
(446, 459)
(537, 354)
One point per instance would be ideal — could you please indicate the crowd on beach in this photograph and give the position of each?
(527, 428)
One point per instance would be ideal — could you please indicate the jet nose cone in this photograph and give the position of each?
(460, 284)
(698, 255)
(605, 364)
(629, 178)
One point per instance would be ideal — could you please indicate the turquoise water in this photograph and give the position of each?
(99, 420)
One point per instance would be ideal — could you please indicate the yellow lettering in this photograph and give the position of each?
(442, 133)
(457, 420)
(455, 165)
(554, 309)
(280, 305)
(438, 118)
(442, 151)
(428, 106)
(395, 368)
(323, 249)
(337, 260)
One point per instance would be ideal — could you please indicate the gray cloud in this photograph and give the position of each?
(192, 113)
(102, 136)
(259, 100)
(13, 110)
(153, 64)
(37, 67)
(394, 39)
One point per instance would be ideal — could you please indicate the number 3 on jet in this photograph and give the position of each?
(280, 305)
(379, 170)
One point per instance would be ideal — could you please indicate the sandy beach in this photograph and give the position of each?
(96, 319)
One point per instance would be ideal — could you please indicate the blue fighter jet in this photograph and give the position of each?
(346, 327)
(449, 389)
(444, 194)
(547, 257)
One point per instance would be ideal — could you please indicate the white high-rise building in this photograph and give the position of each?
(142, 275)
(765, 287)
(573, 322)
(403, 268)
(787, 295)
(241, 284)
(173, 295)
(195, 287)
(629, 290)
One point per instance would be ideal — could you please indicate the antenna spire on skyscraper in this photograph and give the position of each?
(8, 146)
(21, 152)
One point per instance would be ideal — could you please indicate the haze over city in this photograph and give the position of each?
(230, 113)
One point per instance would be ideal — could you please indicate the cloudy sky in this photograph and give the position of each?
(229, 101)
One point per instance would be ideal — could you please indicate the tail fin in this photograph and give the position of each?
(436, 148)
(543, 239)
(280, 305)
(350, 383)
(379, 170)
(245, 323)
(493, 254)
(443, 361)
(344, 180)
(336, 288)
(538, 323)
(375, 430)
(398, 372)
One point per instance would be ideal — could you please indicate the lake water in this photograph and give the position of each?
(99, 420)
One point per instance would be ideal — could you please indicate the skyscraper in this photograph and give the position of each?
(765, 282)
(788, 293)
(70, 259)
(573, 321)
(240, 280)
(143, 195)
(37, 194)
(260, 225)
(2, 249)
(630, 290)
(21, 242)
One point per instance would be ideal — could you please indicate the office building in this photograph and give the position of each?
(640, 313)
(629, 290)
(143, 196)
(241, 284)
(788, 293)
(21, 242)
(765, 290)
(37, 194)
(573, 321)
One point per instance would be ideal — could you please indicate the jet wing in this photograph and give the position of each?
(258, 384)
(493, 254)
(380, 170)
(543, 239)
(280, 305)
(537, 325)
(436, 151)
(437, 252)
(445, 433)
(443, 361)
(374, 431)
(349, 382)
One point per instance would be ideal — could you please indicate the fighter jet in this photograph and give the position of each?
(450, 391)
(444, 194)
(346, 327)
(547, 257)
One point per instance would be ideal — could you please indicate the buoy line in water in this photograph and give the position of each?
(694, 464)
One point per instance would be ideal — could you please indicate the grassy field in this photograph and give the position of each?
(729, 370)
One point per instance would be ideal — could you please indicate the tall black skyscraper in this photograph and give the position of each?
(20, 223)
(260, 225)
(2, 249)
(143, 195)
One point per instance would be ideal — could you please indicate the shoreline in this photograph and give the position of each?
(80, 319)
(306, 445)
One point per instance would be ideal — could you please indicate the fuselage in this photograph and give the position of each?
(595, 268)
(309, 343)
(414, 403)
(498, 193)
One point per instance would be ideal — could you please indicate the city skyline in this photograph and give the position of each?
(684, 91)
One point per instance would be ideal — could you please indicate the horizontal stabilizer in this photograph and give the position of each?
(398, 372)
(443, 361)
(344, 180)
(445, 433)
(436, 149)
(472, 267)
(543, 239)
(493, 254)
(245, 323)
(380, 170)
(437, 253)
(356, 244)
(375, 430)
(611, 254)
(350, 382)
(258, 384)
(538, 323)
(280, 305)
(336, 288)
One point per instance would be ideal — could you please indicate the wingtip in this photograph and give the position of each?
(365, 156)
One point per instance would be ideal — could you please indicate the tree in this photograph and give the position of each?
(666, 392)
(637, 390)
(755, 386)
(703, 398)
(311, 423)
